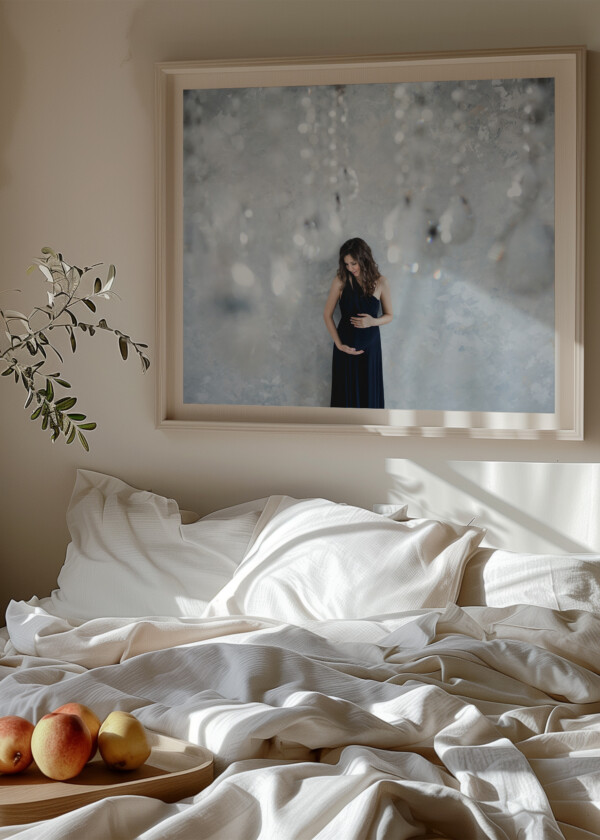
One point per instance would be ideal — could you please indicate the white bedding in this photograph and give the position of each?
(338, 711)
(448, 721)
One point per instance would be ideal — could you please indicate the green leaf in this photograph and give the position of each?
(76, 417)
(57, 353)
(112, 272)
(73, 341)
(62, 382)
(45, 422)
(13, 315)
(88, 427)
(123, 347)
(49, 390)
(97, 285)
(72, 434)
(73, 276)
(36, 413)
(66, 403)
(83, 441)
(90, 304)
(7, 372)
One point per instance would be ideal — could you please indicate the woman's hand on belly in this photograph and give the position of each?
(352, 351)
(362, 320)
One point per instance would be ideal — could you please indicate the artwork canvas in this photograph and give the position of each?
(453, 178)
(452, 184)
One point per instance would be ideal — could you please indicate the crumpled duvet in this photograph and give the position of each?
(460, 723)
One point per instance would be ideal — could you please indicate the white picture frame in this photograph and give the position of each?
(564, 65)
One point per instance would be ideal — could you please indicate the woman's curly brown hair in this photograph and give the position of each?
(369, 270)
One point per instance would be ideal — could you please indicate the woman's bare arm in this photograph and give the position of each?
(332, 298)
(362, 320)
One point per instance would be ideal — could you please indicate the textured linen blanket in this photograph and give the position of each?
(459, 722)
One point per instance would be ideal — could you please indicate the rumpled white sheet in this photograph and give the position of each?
(463, 723)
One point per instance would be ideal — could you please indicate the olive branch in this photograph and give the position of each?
(31, 342)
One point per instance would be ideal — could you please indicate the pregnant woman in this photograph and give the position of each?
(365, 304)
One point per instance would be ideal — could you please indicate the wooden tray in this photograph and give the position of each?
(174, 770)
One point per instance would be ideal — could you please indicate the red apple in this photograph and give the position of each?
(88, 717)
(61, 745)
(15, 744)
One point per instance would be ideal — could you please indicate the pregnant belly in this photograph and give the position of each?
(360, 339)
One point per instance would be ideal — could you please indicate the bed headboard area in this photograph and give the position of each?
(527, 507)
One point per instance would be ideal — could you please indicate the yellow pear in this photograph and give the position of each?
(122, 741)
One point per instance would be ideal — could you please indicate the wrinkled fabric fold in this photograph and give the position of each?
(447, 722)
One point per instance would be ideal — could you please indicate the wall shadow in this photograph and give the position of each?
(524, 506)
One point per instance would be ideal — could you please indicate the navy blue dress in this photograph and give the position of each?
(357, 381)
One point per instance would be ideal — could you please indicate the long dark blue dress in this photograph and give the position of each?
(357, 381)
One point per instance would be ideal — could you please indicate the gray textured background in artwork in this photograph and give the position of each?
(452, 185)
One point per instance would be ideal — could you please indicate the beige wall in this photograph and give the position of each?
(77, 172)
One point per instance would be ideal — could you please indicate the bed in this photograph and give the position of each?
(356, 673)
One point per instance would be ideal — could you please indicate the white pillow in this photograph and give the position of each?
(498, 578)
(314, 559)
(130, 555)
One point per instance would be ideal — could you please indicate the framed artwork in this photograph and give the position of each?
(463, 173)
